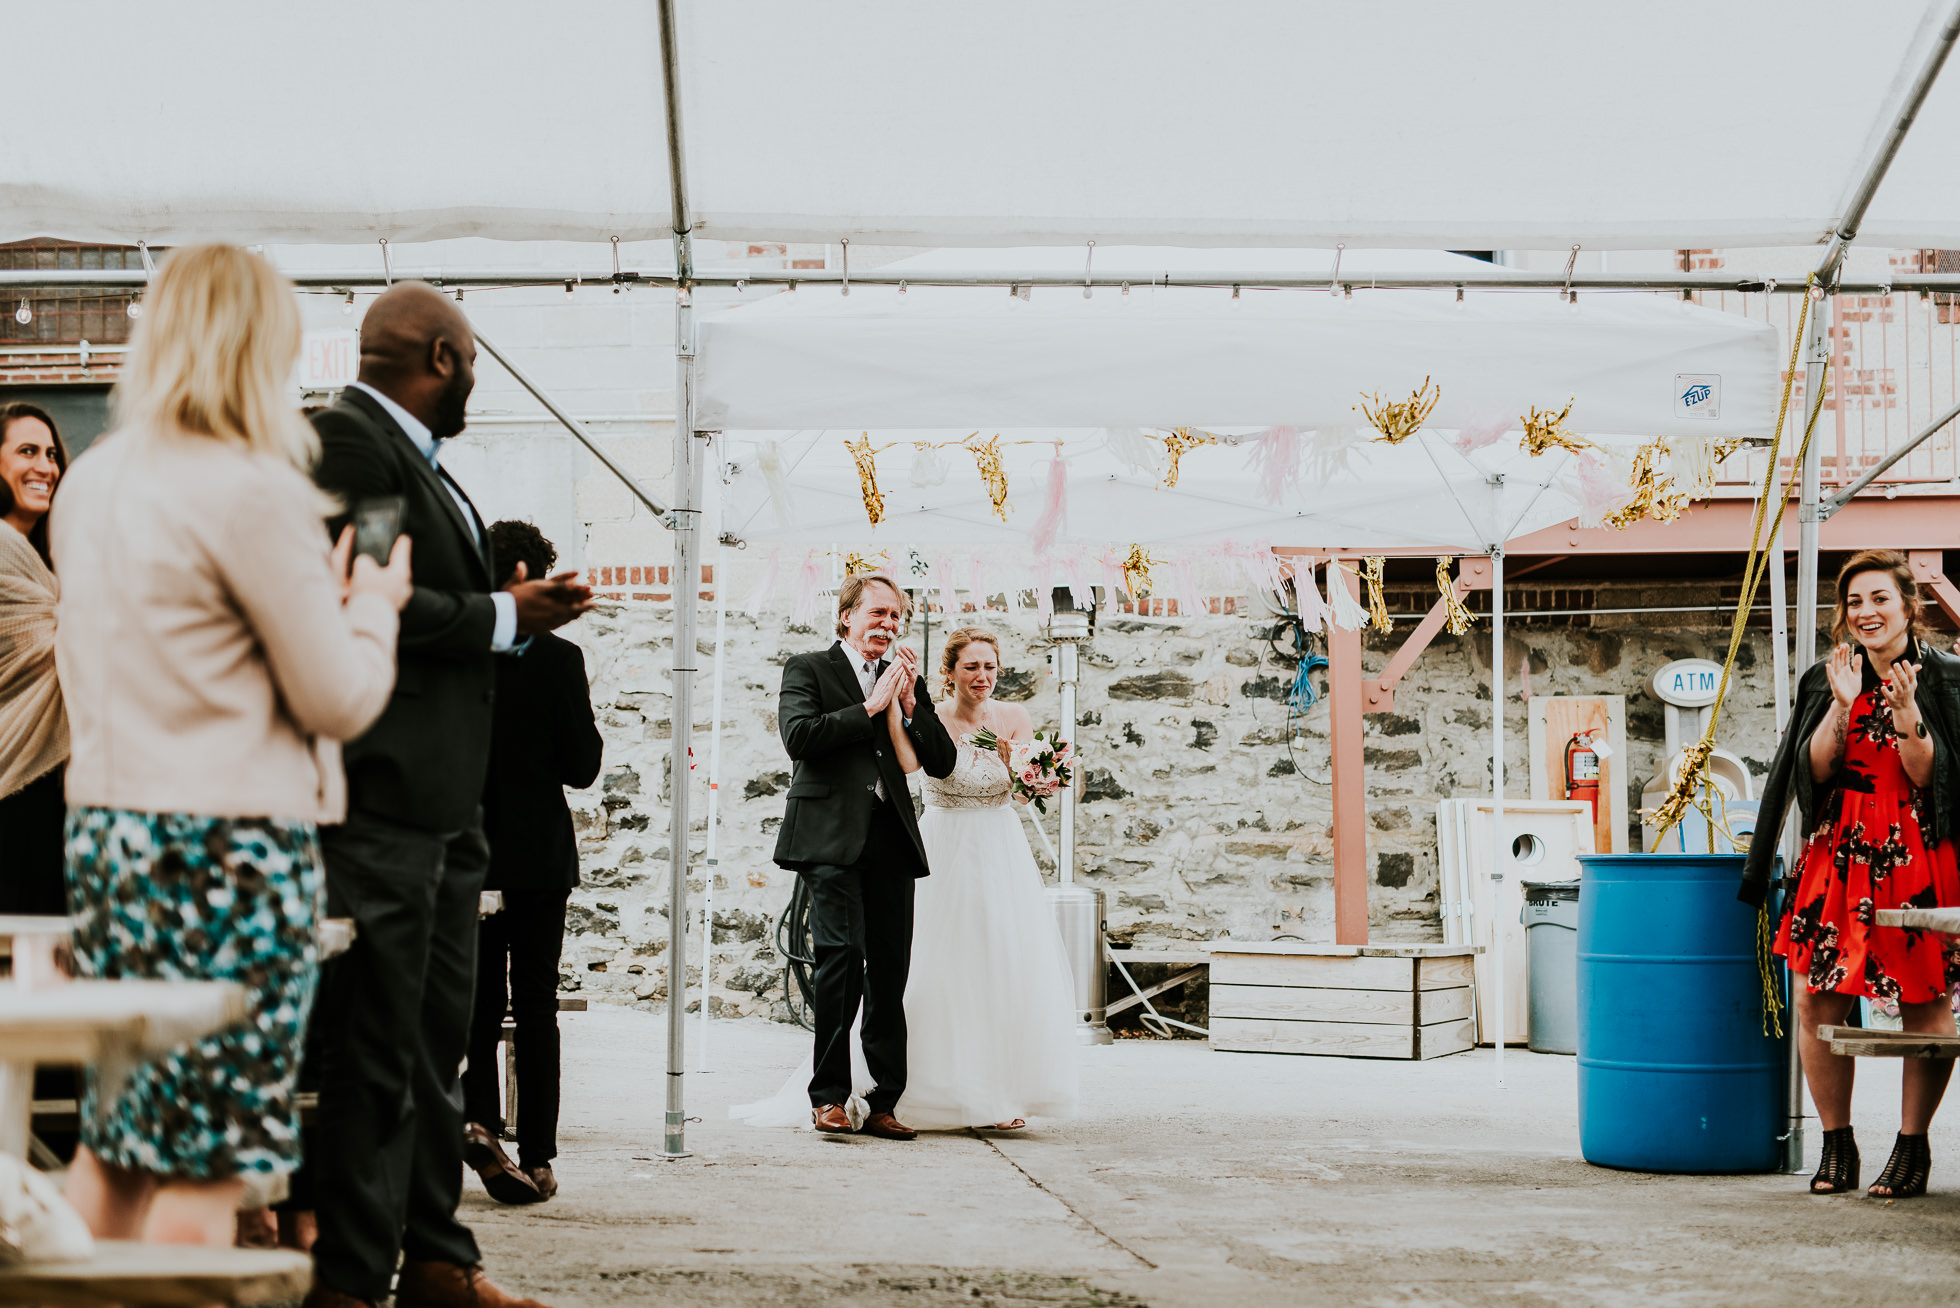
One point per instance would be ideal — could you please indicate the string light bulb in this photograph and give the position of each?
(1816, 292)
(1572, 301)
(347, 305)
(23, 315)
(134, 308)
(1459, 297)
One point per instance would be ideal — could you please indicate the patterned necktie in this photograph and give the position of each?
(873, 671)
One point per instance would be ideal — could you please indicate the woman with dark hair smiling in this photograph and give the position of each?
(1869, 759)
(33, 725)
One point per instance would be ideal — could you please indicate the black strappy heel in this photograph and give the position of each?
(1837, 1170)
(1907, 1170)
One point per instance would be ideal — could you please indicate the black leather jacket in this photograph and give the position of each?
(1938, 698)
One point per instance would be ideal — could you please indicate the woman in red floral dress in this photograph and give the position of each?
(1872, 845)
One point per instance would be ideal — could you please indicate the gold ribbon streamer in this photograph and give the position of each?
(986, 456)
(867, 466)
(1371, 569)
(1654, 493)
(1455, 616)
(856, 564)
(1136, 573)
(1175, 444)
(1398, 421)
(1546, 430)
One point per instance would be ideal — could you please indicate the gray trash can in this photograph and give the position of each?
(1551, 921)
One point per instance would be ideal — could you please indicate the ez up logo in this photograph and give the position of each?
(1697, 395)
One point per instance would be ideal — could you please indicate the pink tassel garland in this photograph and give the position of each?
(1484, 431)
(1313, 609)
(1276, 460)
(804, 602)
(765, 589)
(942, 572)
(1054, 509)
(1184, 582)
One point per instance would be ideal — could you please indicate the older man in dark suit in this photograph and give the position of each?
(408, 864)
(543, 739)
(850, 833)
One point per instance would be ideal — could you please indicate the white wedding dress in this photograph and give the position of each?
(989, 1029)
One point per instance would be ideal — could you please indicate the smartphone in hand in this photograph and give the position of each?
(377, 523)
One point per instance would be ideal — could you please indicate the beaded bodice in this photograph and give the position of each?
(978, 780)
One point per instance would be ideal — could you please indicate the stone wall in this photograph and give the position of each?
(1206, 807)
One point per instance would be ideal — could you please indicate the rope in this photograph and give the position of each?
(1693, 786)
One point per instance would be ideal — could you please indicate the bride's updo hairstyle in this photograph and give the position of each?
(956, 642)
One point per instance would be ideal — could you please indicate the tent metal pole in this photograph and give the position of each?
(572, 425)
(1499, 853)
(688, 464)
(1876, 167)
(712, 861)
(1816, 353)
(331, 282)
(1841, 498)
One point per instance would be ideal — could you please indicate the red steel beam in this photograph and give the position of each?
(1344, 696)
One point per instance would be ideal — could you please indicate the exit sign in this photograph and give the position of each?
(329, 360)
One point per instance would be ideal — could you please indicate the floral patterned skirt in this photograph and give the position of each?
(1867, 853)
(167, 896)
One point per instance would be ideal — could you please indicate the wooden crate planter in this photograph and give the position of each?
(1353, 1001)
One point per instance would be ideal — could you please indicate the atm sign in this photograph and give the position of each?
(1688, 683)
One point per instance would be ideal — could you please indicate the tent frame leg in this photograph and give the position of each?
(688, 463)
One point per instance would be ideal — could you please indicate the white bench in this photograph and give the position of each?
(114, 1025)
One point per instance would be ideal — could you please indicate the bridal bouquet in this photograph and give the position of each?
(1041, 766)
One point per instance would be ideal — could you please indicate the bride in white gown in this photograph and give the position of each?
(990, 1041)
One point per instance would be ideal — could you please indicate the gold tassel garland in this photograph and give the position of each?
(1455, 616)
(856, 564)
(1654, 493)
(1136, 573)
(1397, 422)
(867, 466)
(1371, 569)
(1175, 444)
(1544, 431)
(986, 456)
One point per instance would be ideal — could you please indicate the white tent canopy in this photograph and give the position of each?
(1510, 124)
(1167, 357)
(1054, 371)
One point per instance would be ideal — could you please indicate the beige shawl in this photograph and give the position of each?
(33, 726)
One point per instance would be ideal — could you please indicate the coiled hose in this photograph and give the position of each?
(799, 958)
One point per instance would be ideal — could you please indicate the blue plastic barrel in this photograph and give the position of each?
(1675, 1074)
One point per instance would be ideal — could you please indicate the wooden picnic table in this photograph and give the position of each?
(1926, 919)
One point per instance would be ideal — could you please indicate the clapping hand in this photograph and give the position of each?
(885, 693)
(907, 664)
(1898, 691)
(1846, 672)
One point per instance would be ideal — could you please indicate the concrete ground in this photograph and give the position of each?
(1190, 1178)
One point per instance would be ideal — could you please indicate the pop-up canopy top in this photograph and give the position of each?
(1508, 124)
(929, 373)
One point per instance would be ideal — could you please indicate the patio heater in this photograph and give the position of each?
(1078, 909)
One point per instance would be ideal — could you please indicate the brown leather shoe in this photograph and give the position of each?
(450, 1285)
(506, 1183)
(831, 1119)
(542, 1178)
(887, 1127)
(321, 1296)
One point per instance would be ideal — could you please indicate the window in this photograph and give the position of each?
(64, 316)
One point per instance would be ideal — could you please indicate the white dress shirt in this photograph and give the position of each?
(867, 675)
(504, 633)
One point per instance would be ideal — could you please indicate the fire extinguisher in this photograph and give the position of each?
(1582, 771)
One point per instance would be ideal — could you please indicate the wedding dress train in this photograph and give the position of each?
(988, 1017)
